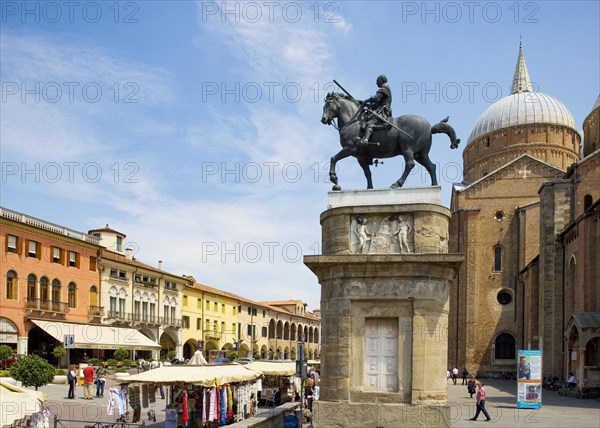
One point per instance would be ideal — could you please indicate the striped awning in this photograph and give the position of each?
(90, 336)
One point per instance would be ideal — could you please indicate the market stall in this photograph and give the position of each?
(18, 403)
(279, 383)
(200, 396)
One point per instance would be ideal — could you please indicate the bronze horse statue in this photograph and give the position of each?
(413, 142)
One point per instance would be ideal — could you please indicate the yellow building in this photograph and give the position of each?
(216, 320)
(209, 320)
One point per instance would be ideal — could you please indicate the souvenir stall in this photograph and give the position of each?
(279, 383)
(22, 407)
(199, 396)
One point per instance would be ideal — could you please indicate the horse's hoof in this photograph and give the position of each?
(396, 186)
(336, 188)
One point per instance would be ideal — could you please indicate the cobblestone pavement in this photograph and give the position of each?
(557, 411)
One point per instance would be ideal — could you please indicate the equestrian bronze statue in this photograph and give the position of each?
(367, 134)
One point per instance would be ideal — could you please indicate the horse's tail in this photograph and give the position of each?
(444, 128)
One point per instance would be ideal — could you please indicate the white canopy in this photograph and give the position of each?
(274, 368)
(198, 375)
(17, 403)
(91, 336)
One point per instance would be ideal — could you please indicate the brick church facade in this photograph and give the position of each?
(527, 219)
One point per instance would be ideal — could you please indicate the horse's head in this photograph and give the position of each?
(331, 109)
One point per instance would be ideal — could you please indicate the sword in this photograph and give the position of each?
(380, 117)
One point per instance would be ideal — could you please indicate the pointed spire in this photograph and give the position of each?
(521, 82)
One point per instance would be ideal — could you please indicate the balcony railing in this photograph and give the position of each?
(169, 321)
(141, 319)
(212, 334)
(119, 316)
(47, 305)
(96, 311)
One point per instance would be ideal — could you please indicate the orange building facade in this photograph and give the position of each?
(49, 273)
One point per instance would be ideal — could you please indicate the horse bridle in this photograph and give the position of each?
(351, 121)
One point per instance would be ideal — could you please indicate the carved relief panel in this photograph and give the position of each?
(377, 234)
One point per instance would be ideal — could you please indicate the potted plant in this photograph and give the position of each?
(5, 377)
(121, 372)
(59, 352)
(32, 370)
(60, 377)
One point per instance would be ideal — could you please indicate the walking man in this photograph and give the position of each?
(454, 375)
(481, 403)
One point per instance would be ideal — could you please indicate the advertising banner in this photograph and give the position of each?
(529, 378)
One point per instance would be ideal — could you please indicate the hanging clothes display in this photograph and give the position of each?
(184, 408)
(193, 406)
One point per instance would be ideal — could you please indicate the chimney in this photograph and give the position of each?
(128, 253)
(160, 264)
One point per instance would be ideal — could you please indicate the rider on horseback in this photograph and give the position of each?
(381, 103)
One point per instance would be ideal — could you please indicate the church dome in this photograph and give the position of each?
(522, 107)
(524, 122)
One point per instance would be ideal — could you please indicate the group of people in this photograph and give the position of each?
(473, 388)
(90, 377)
(311, 390)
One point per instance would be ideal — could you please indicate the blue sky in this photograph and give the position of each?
(193, 127)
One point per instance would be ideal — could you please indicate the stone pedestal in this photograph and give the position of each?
(385, 276)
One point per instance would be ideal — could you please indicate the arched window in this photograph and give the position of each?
(72, 298)
(137, 305)
(587, 202)
(122, 296)
(31, 287)
(145, 307)
(172, 309)
(505, 347)
(55, 291)
(93, 296)
(497, 258)
(11, 285)
(43, 288)
(112, 302)
(152, 307)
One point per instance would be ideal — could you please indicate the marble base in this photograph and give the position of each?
(409, 195)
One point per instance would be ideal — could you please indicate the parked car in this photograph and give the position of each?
(221, 361)
(244, 360)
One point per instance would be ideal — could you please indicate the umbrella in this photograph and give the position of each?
(197, 359)
(208, 375)
(17, 403)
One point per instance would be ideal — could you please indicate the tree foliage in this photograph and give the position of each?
(120, 354)
(6, 352)
(59, 352)
(32, 370)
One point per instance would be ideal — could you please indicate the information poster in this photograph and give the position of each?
(529, 378)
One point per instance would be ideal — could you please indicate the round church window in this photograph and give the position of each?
(499, 215)
(504, 297)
